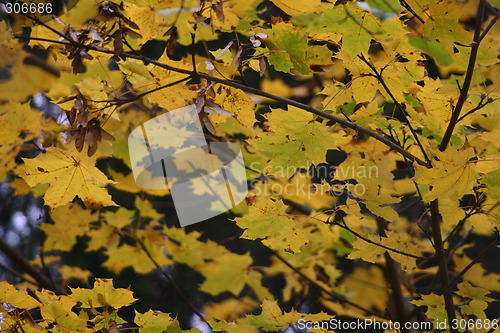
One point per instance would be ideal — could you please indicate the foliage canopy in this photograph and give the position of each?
(370, 133)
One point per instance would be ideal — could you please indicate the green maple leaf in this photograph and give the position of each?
(266, 219)
(289, 49)
(294, 140)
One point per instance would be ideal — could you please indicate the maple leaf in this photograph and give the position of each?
(70, 174)
(294, 139)
(21, 299)
(225, 273)
(435, 306)
(402, 242)
(288, 45)
(187, 248)
(451, 173)
(478, 299)
(273, 319)
(239, 103)
(366, 251)
(132, 256)
(155, 321)
(70, 221)
(266, 219)
(23, 79)
(291, 8)
(103, 294)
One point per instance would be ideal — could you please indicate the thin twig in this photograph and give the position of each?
(408, 8)
(29, 269)
(344, 226)
(19, 275)
(379, 77)
(172, 282)
(255, 91)
(468, 78)
(478, 107)
(334, 296)
(489, 26)
(136, 97)
(474, 261)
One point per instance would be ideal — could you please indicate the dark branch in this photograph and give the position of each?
(468, 78)
(172, 282)
(334, 296)
(243, 87)
(29, 269)
(451, 285)
(378, 76)
(442, 263)
(344, 226)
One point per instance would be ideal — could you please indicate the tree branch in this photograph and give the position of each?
(29, 269)
(443, 267)
(464, 92)
(378, 76)
(19, 275)
(334, 296)
(473, 262)
(435, 215)
(393, 276)
(344, 225)
(171, 282)
(248, 89)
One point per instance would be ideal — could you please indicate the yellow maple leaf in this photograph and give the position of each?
(365, 286)
(153, 321)
(273, 318)
(292, 7)
(103, 294)
(451, 173)
(24, 79)
(147, 18)
(237, 102)
(267, 220)
(21, 299)
(368, 252)
(175, 96)
(225, 273)
(70, 174)
(231, 308)
(128, 255)
(402, 243)
(69, 222)
(18, 123)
